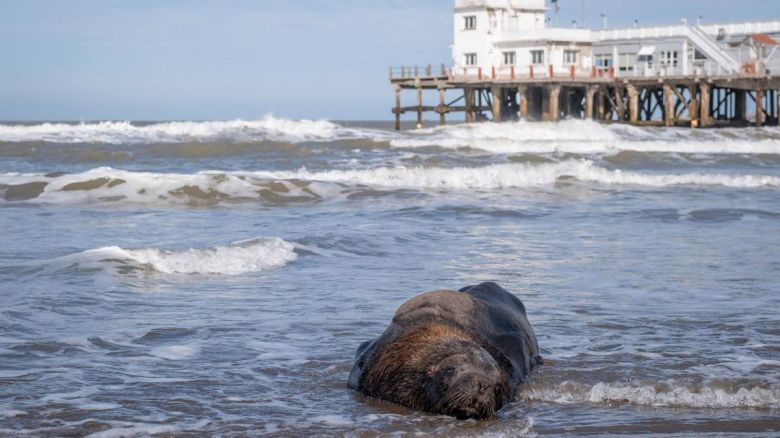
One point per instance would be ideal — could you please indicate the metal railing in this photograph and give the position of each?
(418, 72)
(541, 72)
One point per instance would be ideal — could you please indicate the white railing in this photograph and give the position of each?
(505, 4)
(680, 31)
(712, 49)
(639, 33)
(742, 28)
(558, 34)
(542, 72)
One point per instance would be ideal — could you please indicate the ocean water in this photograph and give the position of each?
(215, 278)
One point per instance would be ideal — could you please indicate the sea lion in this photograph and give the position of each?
(460, 354)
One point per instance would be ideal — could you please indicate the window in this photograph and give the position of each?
(509, 58)
(626, 61)
(471, 58)
(470, 22)
(537, 57)
(570, 56)
(603, 62)
(669, 58)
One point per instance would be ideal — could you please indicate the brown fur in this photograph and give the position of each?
(454, 353)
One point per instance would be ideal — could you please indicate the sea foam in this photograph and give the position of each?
(265, 128)
(588, 137)
(671, 394)
(517, 175)
(252, 256)
(107, 185)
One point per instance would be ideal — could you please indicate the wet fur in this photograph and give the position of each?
(454, 353)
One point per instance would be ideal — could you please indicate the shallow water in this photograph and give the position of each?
(217, 277)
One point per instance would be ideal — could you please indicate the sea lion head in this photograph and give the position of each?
(468, 383)
(439, 370)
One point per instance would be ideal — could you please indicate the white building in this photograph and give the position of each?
(503, 38)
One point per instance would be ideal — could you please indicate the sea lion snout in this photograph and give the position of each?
(472, 395)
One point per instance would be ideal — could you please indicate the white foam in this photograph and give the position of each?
(175, 352)
(258, 255)
(668, 394)
(129, 429)
(273, 352)
(517, 175)
(212, 187)
(265, 128)
(120, 186)
(10, 413)
(588, 137)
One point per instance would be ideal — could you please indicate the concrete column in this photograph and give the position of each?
(522, 95)
(668, 105)
(590, 94)
(469, 98)
(760, 116)
(633, 104)
(740, 105)
(705, 107)
(397, 108)
(554, 113)
(498, 94)
(442, 106)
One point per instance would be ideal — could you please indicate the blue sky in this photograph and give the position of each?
(225, 59)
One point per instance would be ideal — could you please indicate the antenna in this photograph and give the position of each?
(604, 17)
(557, 9)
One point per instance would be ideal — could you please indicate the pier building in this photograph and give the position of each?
(509, 62)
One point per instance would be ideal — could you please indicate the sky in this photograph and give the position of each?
(227, 59)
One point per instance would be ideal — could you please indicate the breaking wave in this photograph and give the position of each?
(500, 176)
(107, 185)
(669, 394)
(265, 128)
(255, 255)
(569, 136)
(588, 137)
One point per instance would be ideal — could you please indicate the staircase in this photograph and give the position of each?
(712, 49)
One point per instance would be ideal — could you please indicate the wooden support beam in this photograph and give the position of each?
(693, 105)
(601, 106)
(633, 104)
(498, 100)
(554, 95)
(590, 94)
(469, 94)
(620, 106)
(522, 94)
(669, 105)
(419, 107)
(705, 106)
(760, 114)
(740, 105)
(442, 104)
(397, 108)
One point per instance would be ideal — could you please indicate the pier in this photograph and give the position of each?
(685, 101)
(509, 64)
